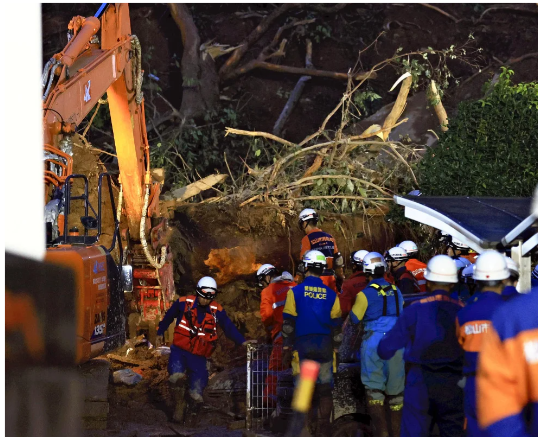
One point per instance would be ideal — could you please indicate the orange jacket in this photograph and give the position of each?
(507, 377)
(272, 305)
(471, 257)
(316, 239)
(417, 269)
(330, 281)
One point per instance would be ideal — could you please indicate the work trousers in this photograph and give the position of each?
(381, 376)
(473, 430)
(193, 366)
(275, 366)
(431, 396)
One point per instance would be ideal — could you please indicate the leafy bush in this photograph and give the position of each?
(491, 147)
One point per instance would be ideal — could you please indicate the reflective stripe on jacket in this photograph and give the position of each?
(193, 336)
(322, 241)
(417, 269)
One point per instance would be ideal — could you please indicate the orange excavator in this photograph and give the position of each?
(103, 56)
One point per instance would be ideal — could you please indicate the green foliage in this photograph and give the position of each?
(491, 147)
(363, 101)
(197, 149)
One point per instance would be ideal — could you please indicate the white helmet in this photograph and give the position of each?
(442, 268)
(513, 267)
(409, 246)
(263, 271)
(467, 274)
(396, 254)
(372, 261)
(308, 214)
(457, 244)
(358, 257)
(287, 276)
(490, 266)
(314, 258)
(207, 288)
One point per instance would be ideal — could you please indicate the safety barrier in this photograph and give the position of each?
(269, 386)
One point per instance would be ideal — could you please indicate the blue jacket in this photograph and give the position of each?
(509, 292)
(314, 307)
(461, 292)
(473, 324)
(405, 281)
(427, 330)
(369, 305)
(178, 308)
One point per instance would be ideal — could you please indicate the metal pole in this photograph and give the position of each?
(249, 386)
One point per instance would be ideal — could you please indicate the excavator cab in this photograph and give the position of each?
(100, 299)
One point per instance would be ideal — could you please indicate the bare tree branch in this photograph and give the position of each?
(446, 14)
(267, 135)
(260, 29)
(327, 9)
(297, 70)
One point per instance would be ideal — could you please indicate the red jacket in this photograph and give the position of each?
(417, 269)
(272, 305)
(351, 287)
(198, 338)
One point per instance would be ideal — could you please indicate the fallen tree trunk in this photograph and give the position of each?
(435, 100)
(398, 108)
(295, 94)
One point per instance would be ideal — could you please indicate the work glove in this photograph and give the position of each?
(247, 342)
(287, 357)
(159, 341)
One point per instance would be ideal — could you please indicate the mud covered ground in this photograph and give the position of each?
(145, 409)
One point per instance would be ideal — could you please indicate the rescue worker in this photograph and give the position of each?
(461, 291)
(507, 375)
(316, 239)
(379, 306)
(534, 277)
(355, 283)
(473, 323)
(273, 299)
(413, 264)
(195, 338)
(427, 330)
(403, 279)
(312, 327)
(510, 283)
(457, 249)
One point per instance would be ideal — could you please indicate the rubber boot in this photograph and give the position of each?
(193, 414)
(395, 419)
(377, 414)
(325, 412)
(180, 404)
